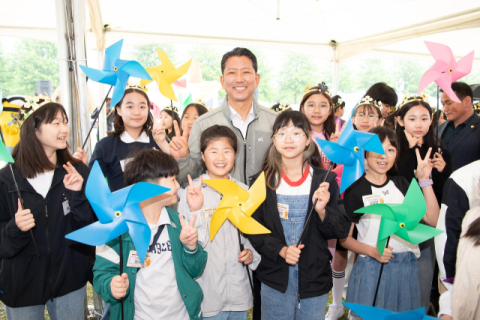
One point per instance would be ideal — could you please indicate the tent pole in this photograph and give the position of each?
(65, 69)
(336, 68)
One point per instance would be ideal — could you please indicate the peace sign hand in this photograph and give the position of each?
(412, 141)
(189, 234)
(158, 133)
(438, 162)
(194, 194)
(179, 144)
(334, 137)
(424, 167)
(186, 130)
(72, 180)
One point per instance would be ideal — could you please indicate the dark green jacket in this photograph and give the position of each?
(187, 266)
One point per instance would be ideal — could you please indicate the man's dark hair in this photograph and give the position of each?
(239, 52)
(148, 165)
(462, 90)
(382, 92)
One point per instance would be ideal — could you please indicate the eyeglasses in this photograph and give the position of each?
(312, 107)
(295, 137)
(371, 117)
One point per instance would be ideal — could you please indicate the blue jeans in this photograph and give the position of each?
(229, 315)
(69, 306)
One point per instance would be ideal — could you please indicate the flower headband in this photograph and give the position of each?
(321, 87)
(367, 100)
(31, 105)
(282, 106)
(169, 108)
(411, 98)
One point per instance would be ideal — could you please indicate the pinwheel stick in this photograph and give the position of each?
(246, 267)
(96, 117)
(313, 208)
(437, 141)
(120, 248)
(379, 277)
(20, 196)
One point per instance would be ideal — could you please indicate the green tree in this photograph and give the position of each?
(5, 74)
(147, 56)
(265, 90)
(297, 71)
(31, 61)
(209, 59)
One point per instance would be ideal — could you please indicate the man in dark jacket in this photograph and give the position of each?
(460, 133)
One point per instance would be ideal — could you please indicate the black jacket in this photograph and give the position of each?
(64, 265)
(466, 147)
(315, 273)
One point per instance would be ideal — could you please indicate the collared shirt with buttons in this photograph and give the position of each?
(238, 122)
(451, 132)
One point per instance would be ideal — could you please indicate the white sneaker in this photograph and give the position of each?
(352, 317)
(334, 312)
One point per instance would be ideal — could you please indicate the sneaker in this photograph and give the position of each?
(334, 312)
(352, 317)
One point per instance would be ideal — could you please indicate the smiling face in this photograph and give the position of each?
(133, 110)
(239, 79)
(290, 141)
(53, 136)
(317, 109)
(172, 184)
(416, 121)
(167, 120)
(380, 164)
(365, 118)
(189, 117)
(219, 158)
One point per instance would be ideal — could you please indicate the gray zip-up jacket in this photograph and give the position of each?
(251, 149)
(224, 281)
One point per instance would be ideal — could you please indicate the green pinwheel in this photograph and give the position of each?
(403, 220)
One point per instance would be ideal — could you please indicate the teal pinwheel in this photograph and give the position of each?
(349, 150)
(117, 212)
(116, 71)
(374, 313)
(403, 220)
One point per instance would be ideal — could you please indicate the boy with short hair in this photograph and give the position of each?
(164, 286)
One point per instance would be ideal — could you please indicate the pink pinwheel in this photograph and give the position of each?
(445, 70)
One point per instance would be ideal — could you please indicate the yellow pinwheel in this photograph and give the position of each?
(238, 205)
(165, 74)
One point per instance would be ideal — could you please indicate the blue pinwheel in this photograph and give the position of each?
(117, 212)
(116, 71)
(373, 313)
(349, 150)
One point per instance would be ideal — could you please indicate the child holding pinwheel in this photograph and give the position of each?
(163, 286)
(39, 266)
(399, 286)
(296, 278)
(225, 281)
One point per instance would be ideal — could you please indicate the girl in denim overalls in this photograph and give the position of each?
(296, 280)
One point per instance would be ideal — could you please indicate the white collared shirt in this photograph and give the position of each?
(125, 137)
(238, 122)
(156, 291)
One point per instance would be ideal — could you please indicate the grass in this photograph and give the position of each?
(3, 314)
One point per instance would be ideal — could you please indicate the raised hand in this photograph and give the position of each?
(186, 130)
(338, 131)
(119, 286)
(424, 166)
(194, 194)
(158, 134)
(72, 180)
(24, 218)
(438, 162)
(323, 196)
(189, 234)
(179, 144)
(412, 141)
(387, 255)
(80, 154)
(245, 257)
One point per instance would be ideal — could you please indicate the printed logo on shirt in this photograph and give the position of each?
(260, 139)
(124, 162)
(159, 247)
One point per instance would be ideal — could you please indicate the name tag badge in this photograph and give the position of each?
(372, 199)
(124, 162)
(66, 207)
(283, 210)
(134, 261)
(208, 212)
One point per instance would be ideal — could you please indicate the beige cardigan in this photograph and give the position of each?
(466, 288)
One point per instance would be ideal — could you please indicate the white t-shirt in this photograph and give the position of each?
(156, 290)
(42, 182)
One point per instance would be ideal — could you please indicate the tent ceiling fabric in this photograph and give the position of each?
(362, 29)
